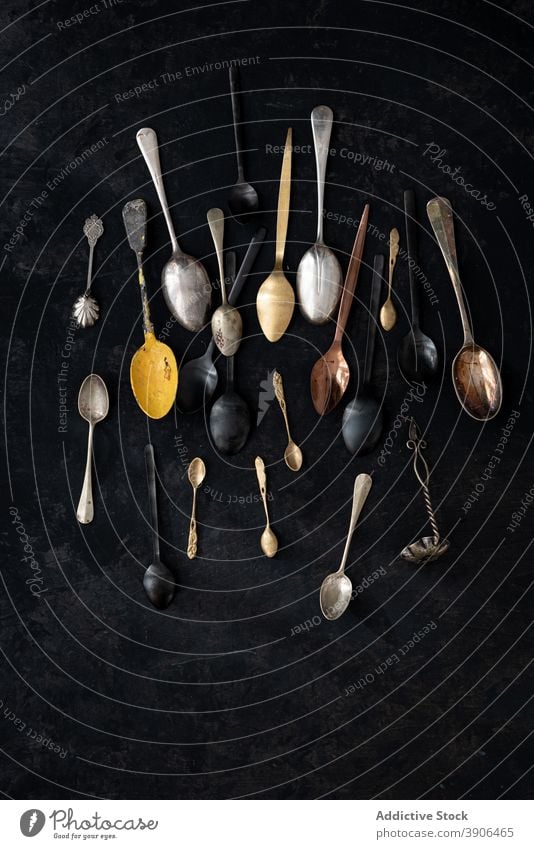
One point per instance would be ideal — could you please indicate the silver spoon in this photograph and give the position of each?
(319, 275)
(226, 322)
(186, 286)
(93, 406)
(158, 580)
(86, 310)
(336, 589)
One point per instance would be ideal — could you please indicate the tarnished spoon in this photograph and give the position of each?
(268, 541)
(86, 309)
(226, 322)
(196, 473)
(158, 580)
(388, 313)
(292, 454)
(93, 406)
(243, 200)
(476, 378)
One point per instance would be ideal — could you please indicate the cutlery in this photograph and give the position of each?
(86, 310)
(268, 541)
(196, 474)
(93, 406)
(388, 313)
(243, 198)
(158, 580)
(226, 323)
(292, 454)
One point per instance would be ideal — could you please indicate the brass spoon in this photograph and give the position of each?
(330, 375)
(275, 301)
(153, 369)
(292, 454)
(196, 474)
(226, 323)
(475, 375)
(388, 313)
(268, 541)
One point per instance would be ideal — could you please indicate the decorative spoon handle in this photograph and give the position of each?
(152, 498)
(283, 203)
(321, 121)
(148, 145)
(85, 511)
(352, 275)
(236, 115)
(278, 387)
(362, 485)
(216, 224)
(93, 229)
(410, 220)
(420, 466)
(193, 539)
(134, 216)
(262, 482)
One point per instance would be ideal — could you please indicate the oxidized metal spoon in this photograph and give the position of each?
(243, 198)
(292, 454)
(388, 313)
(226, 323)
(86, 310)
(417, 356)
(196, 474)
(186, 286)
(153, 369)
(268, 541)
(158, 580)
(475, 375)
(330, 374)
(336, 589)
(275, 301)
(93, 406)
(426, 548)
(319, 275)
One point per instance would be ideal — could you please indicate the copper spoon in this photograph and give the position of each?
(330, 375)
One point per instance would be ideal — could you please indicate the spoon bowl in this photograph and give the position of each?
(269, 542)
(243, 202)
(477, 382)
(319, 284)
(230, 423)
(293, 456)
(363, 422)
(227, 329)
(335, 595)
(417, 357)
(158, 583)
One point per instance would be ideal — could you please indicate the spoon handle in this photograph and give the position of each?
(216, 224)
(92, 229)
(278, 387)
(134, 216)
(193, 538)
(262, 482)
(85, 511)
(410, 220)
(321, 121)
(439, 212)
(236, 115)
(246, 266)
(376, 288)
(283, 202)
(147, 141)
(362, 485)
(152, 498)
(352, 275)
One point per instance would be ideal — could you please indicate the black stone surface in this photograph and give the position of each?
(239, 689)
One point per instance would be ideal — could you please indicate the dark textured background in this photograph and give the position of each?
(215, 697)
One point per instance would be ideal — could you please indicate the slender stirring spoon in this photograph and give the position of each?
(292, 454)
(243, 198)
(158, 580)
(388, 313)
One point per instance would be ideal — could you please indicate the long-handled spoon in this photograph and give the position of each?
(475, 375)
(268, 541)
(330, 374)
(275, 301)
(417, 356)
(243, 198)
(186, 286)
(362, 418)
(292, 454)
(388, 313)
(93, 406)
(158, 580)
(153, 369)
(86, 310)
(336, 589)
(196, 474)
(198, 377)
(226, 323)
(319, 275)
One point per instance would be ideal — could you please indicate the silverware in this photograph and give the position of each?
(292, 454)
(319, 275)
(196, 473)
(93, 406)
(86, 310)
(158, 580)
(476, 378)
(243, 200)
(268, 541)
(426, 548)
(186, 286)
(336, 589)
(388, 313)
(226, 323)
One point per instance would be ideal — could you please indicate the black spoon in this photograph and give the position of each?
(417, 356)
(362, 418)
(158, 580)
(243, 200)
(198, 378)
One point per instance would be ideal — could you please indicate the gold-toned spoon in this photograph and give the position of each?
(276, 299)
(388, 313)
(476, 378)
(226, 323)
(196, 474)
(268, 541)
(292, 454)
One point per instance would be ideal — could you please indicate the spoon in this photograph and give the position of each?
(243, 198)
(86, 309)
(388, 313)
(93, 406)
(153, 370)
(268, 541)
(362, 418)
(292, 454)
(186, 286)
(336, 589)
(198, 377)
(226, 323)
(319, 275)
(276, 299)
(417, 356)
(476, 378)
(330, 374)
(158, 579)
(196, 474)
